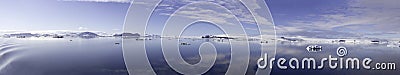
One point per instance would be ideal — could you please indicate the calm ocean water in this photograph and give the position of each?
(103, 56)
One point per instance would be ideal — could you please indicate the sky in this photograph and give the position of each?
(52, 15)
(305, 18)
(337, 18)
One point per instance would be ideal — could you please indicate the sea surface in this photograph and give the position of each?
(104, 56)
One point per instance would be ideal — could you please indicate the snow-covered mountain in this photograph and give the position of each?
(127, 34)
(56, 33)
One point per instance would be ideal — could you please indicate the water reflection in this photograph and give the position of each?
(98, 56)
(102, 56)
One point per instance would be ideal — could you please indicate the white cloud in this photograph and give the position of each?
(115, 1)
(234, 6)
(116, 29)
(241, 12)
(202, 13)
(382, 13)
(281, 28)
(360, 15)
(82, 28)
(9, 31)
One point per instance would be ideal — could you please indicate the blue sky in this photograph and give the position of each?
(308, 18)
(337, 18)
(39, 15)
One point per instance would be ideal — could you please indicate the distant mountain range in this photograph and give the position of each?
(73, 34)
